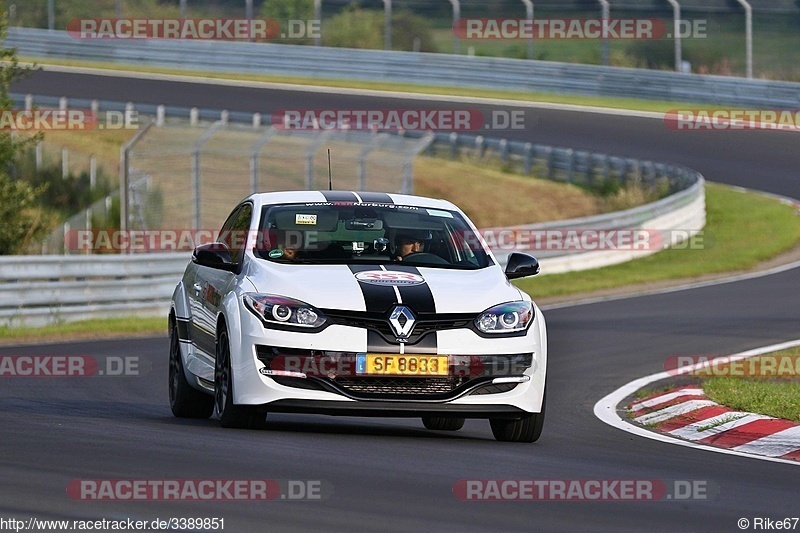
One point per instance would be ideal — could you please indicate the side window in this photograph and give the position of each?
(239, 232)
(225, 233)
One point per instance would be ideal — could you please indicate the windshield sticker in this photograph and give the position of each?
(439, 213)
(276, 253)
(305, 219)
(382, 277)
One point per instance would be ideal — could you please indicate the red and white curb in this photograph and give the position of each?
(685, 417)
(688, 414)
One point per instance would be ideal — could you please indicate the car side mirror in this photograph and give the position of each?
(214, 255)
(521, 266)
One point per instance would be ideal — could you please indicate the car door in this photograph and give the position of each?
(210, 285)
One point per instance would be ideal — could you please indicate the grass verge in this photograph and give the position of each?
(742, 229)
(86, 329)
(768, 384)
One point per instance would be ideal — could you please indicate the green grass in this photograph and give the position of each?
(773, 392)
(778, 399)
(742, 230)
(86, 329)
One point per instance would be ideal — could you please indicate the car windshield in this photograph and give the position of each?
(347, 233)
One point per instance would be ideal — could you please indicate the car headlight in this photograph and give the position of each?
(505, 318)
(283, 311)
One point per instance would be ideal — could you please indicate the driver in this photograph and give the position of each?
(410, 242)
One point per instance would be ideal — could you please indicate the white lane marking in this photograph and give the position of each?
(606, 409)
(672, 411)
(722, 428)
(774, 445)
(664, 398)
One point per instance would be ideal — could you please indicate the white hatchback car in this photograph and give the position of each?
(360, 304)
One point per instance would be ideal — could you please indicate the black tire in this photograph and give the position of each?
(441, 423)
(184, 400)
(525, 429)
(231, 415)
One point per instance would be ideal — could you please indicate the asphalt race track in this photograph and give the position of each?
(393, 475)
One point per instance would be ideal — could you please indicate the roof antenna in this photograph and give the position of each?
(330, 179)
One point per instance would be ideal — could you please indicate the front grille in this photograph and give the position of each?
(336, 372)
(400, 386)
(494, 389)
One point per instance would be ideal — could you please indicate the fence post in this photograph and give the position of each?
(39, 156)
(528, 158)
(124, 175)
(64, 241)
(196, 189)
(161, 113)
(64, 162)
(570, 164)
(88, 225)
(408, 177)
(479, 146)
(454, 145)
(196, 193)
(254, 171)
(194, 116)
(92, 172)
(548, 158)
(28, 102)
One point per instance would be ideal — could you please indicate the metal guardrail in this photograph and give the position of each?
(39, 290)
(410, 67)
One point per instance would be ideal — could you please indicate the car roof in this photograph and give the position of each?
(290, 197)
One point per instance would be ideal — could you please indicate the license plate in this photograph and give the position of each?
(402, 365)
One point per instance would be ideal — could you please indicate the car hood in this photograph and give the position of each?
(423, 289)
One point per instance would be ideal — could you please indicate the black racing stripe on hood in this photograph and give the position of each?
(376, 197)
(339, 196)
(377, 298)
(420, 299)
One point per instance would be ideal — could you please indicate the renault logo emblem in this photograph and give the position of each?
(402, 321)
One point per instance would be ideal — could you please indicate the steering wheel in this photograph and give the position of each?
(424, 257)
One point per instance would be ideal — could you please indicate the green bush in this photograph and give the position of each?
(354, 28)
(406, 26)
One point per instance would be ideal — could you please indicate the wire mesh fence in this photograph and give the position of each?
(195, 175)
